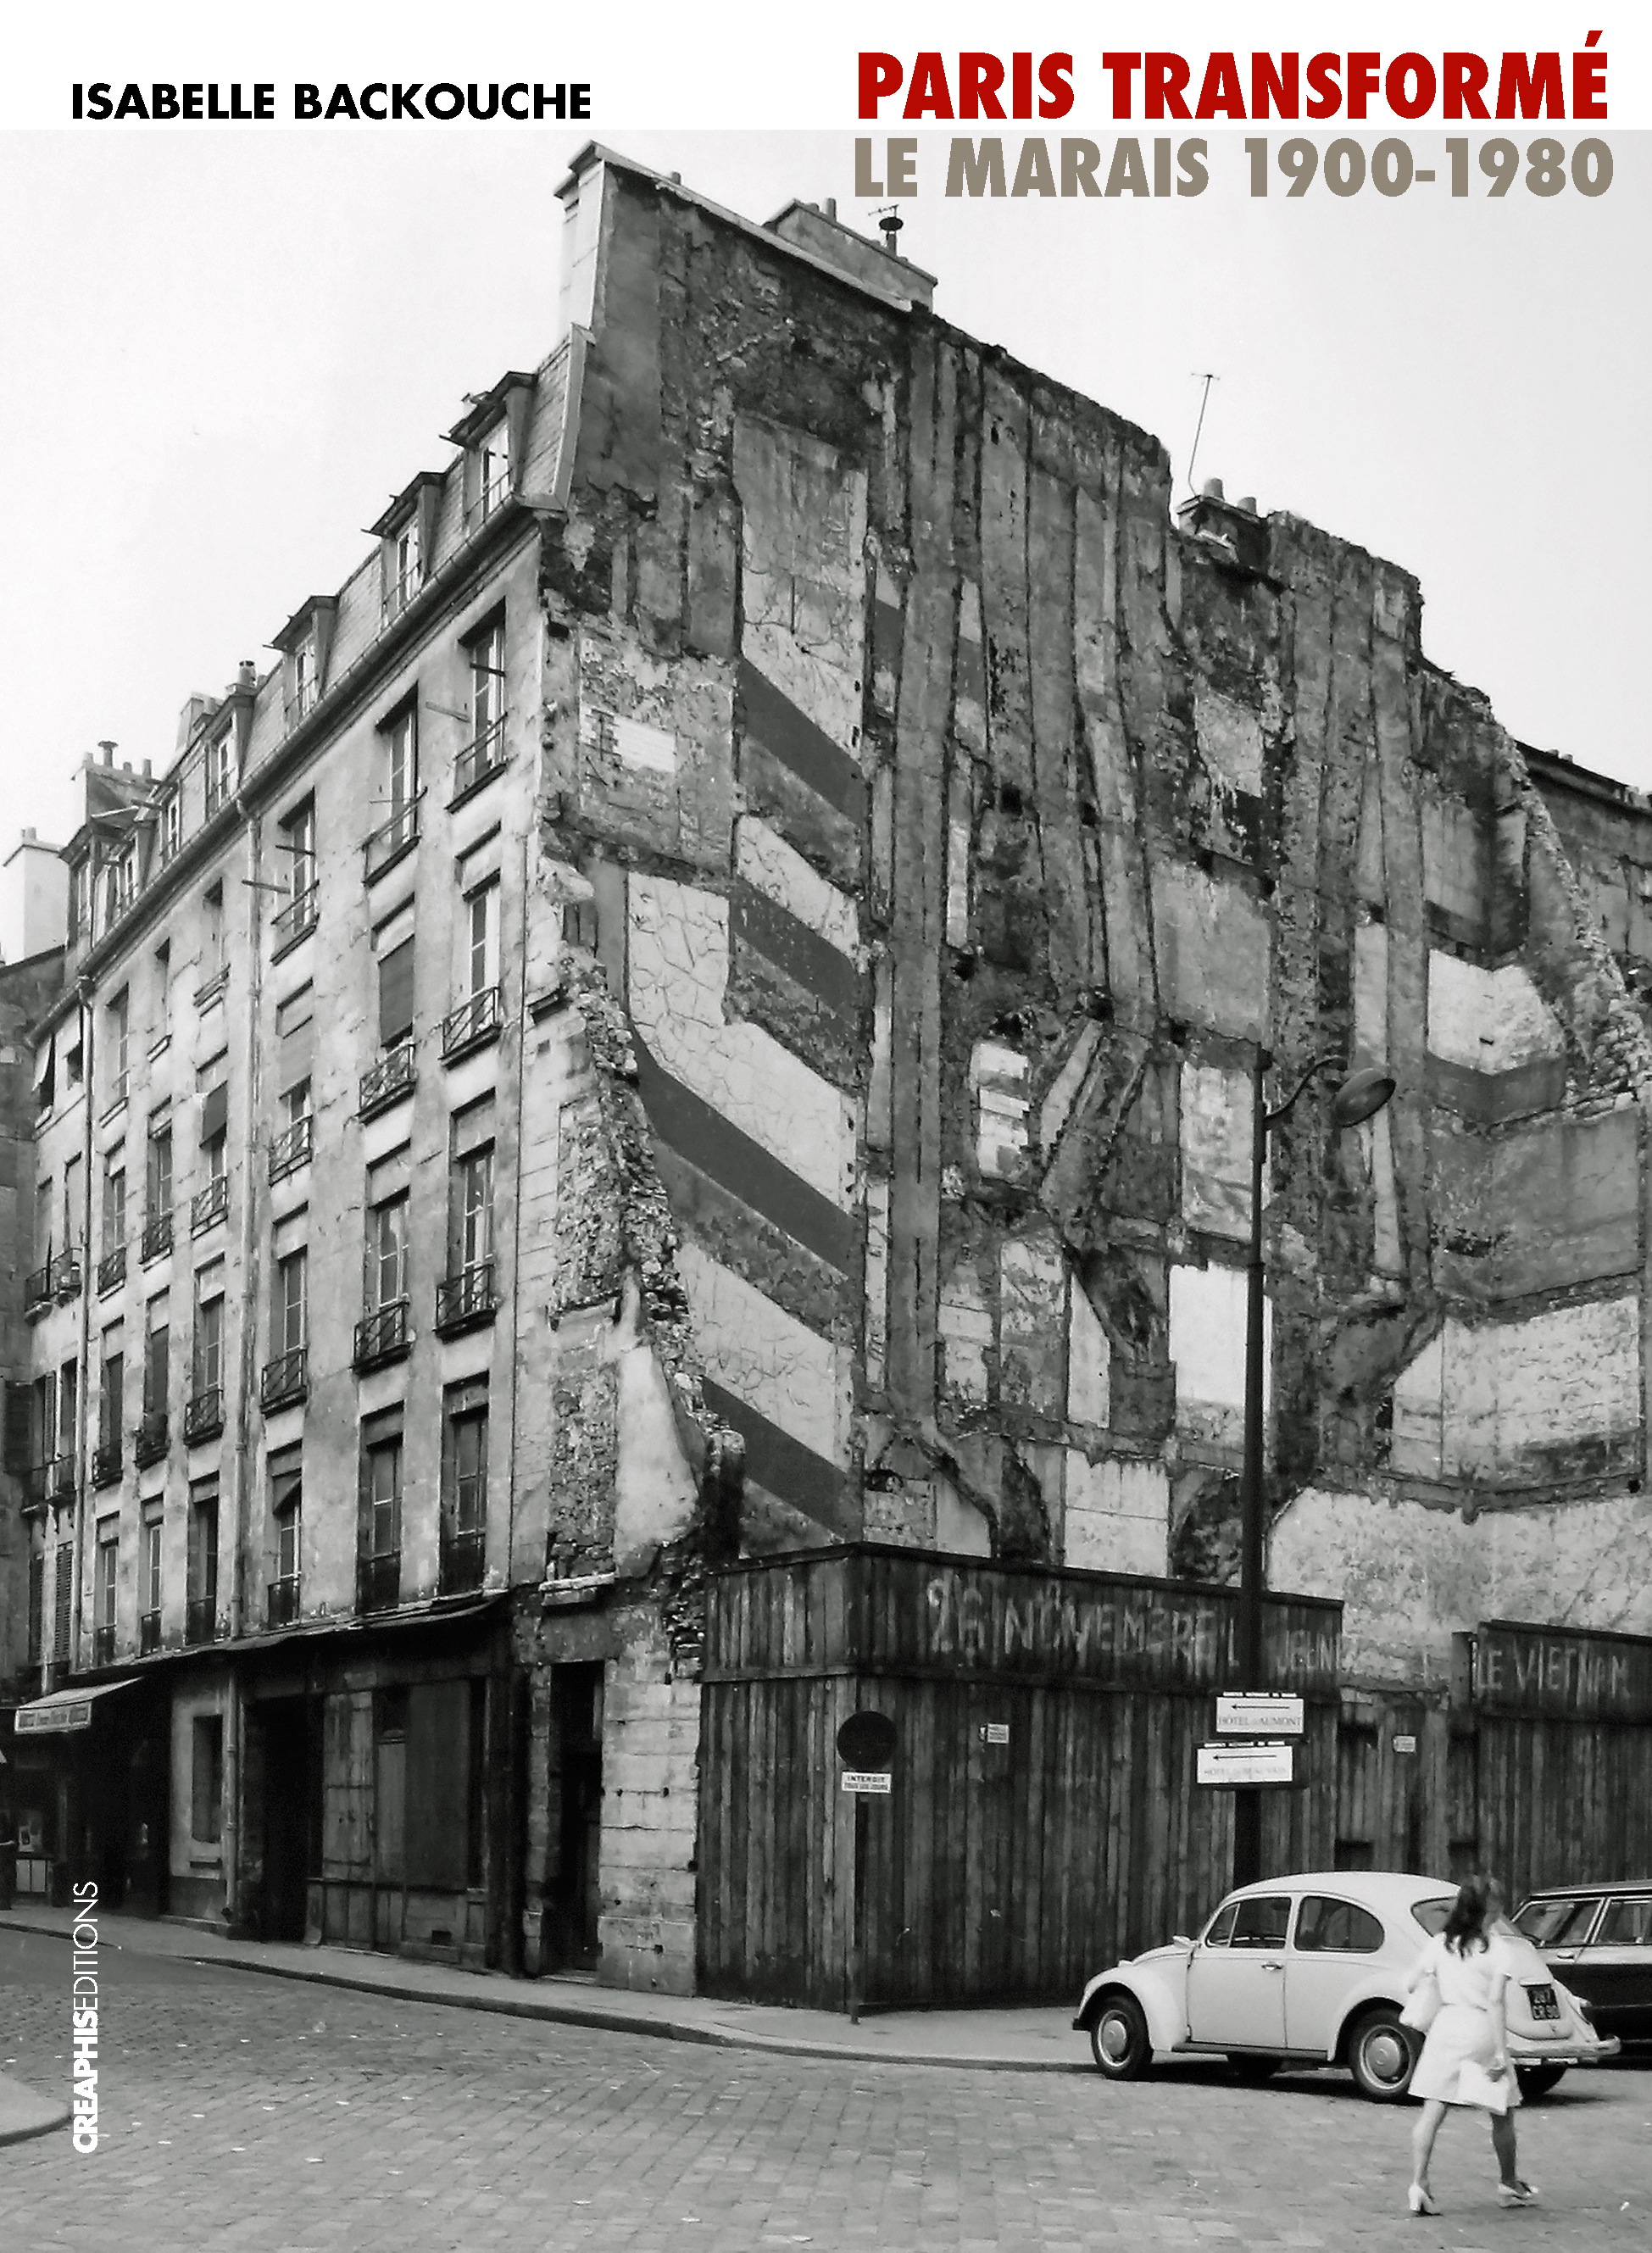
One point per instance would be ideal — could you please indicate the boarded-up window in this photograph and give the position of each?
(439, 1756)
(395, 993)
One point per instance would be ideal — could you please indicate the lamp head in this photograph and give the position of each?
(1361, 1096)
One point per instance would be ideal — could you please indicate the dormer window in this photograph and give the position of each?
(404, 565)
(171, 825)
(120, 883)
(218, 772)
(493, 470)
(407, 541)
(303, 642)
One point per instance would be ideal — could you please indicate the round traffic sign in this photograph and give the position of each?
(867, 1740)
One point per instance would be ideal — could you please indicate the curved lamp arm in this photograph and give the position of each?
(1271, 1119)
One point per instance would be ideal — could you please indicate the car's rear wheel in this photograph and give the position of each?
(1245, 2065)
(1119, 2038)
(1537, 2080)
(1380, 2056)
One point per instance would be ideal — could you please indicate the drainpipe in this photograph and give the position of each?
(88, 1068)
(234, 1714)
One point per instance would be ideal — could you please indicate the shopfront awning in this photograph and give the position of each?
(65, 1710)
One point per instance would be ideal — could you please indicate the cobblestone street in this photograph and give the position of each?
(255, 2113)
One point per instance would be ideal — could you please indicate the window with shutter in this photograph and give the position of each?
(395, 993)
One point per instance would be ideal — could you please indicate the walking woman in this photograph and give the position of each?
(1465, 2056)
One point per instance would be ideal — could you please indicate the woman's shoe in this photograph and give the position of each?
(1517, 2194)
(1419, 2200)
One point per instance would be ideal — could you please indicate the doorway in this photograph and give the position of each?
(288, 1798)
(577, 1700)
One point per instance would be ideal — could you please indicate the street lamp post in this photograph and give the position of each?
(1361, 1096)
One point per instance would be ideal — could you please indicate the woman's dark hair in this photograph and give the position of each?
(1470, 1914)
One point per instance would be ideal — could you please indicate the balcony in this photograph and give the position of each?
(150, 1444)
(106, 1464)
(208, 1206)
(383, 1336)
(464, 1301)
(148, 1633)
(201, 1620)
(473, 1024)
(63, 1479)
(157, 1237)
(297, 920)
(480, 760)
(389, 1080)
(379, 1582)
(386, 844)
(285, 1381)
(66, 1277)
(112, 1269)
(203, 1417)
(291, 1148)
(283, 1600)
(38, 1486)
(462, 1561)
(37, 1290)
(103, 1646)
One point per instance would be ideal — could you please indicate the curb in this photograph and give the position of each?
(615, 2021)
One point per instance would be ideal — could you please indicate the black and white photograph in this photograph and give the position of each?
(825, 1132)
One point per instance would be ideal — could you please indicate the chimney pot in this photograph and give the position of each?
(248, 675)
(28, 836)
(108, 750)
(831, 206)
(148, 770)
(1213, 489)
(1248, 504)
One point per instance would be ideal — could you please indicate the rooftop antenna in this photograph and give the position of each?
(890, 222)
(1205, 400)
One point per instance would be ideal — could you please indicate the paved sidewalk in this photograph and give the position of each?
(23, 2114)
(1019, 2040)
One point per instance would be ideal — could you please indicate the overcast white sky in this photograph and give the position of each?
(223, 353)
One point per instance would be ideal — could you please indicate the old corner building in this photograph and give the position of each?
(706, 1009)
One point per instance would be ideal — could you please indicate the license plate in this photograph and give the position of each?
(1544, 2002)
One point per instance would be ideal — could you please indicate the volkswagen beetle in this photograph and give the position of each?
(1311, 1969)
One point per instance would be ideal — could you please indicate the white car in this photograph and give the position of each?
(1312, 1969)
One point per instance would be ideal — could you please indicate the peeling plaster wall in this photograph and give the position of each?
(1016, 818)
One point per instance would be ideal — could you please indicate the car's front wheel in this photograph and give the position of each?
(1381, 2057)
(1119, 2038)
(1537, 2080)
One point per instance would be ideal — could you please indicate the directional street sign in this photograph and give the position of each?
(1246, 1764)
(1259, 1713)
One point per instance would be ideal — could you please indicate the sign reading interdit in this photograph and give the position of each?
(875, 1780)
(1562, 1671)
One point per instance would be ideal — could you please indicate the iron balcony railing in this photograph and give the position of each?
(285, 1380)
(148, 1633)
(473, 1022)
(283, 1600)
(208, 1206)
(37, 1289)
(150, 1445)
(63, 1479)
(297, 918)
(106, 1462)
(201, 1620)
(389, 1080)
(482, 756)
(379, 1582)
(204, 1416)
(467, 1298)
(397, 836)
(462, 1561)
(291, 1148)
(112, 1269)
(103, 1646)
(157, 1237)
(383, 1336)
(38, 1483)
(398, 595)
